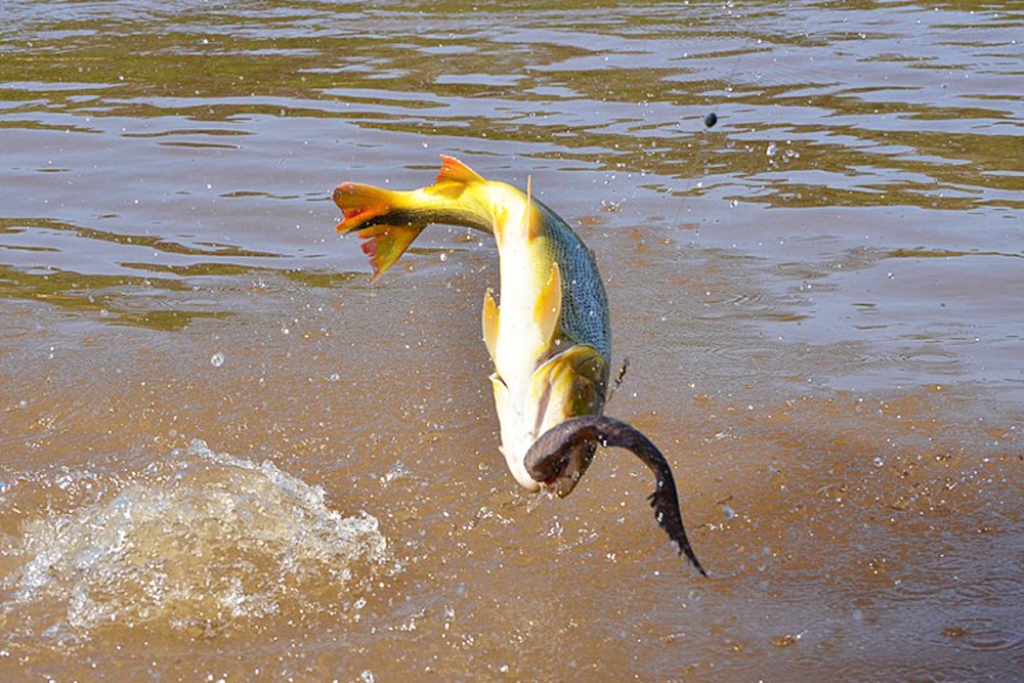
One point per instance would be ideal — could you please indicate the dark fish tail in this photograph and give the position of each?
(548, 457)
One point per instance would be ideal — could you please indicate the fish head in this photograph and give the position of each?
(568, 385)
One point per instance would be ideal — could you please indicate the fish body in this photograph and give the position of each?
(550, 338)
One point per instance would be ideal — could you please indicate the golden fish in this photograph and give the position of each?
(550, 339)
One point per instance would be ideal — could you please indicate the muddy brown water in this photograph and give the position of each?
(225, 456)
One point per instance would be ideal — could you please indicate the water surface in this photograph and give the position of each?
(225, 455)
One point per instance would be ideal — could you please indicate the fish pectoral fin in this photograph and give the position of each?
(384, 244)
(491, 324)
(548, 309)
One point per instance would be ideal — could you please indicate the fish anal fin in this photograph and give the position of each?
(384, 244)
(491, 324)
(548, 309)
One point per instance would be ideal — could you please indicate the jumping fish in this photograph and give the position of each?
(550, 339)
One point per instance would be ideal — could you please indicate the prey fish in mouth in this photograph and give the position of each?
(550, 337)
(551, 454)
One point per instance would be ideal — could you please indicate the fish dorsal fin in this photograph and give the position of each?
(548, 309)
(492, 322)
(453, 170)
(529, 197)
(532, 224)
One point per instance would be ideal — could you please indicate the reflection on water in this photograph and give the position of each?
(817, 296)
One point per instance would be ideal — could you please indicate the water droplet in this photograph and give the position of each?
(396, 472)
(217, 359)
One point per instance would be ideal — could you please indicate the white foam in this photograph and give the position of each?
(202, 543)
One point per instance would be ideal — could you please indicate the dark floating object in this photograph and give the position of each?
(711, 119)
(550, 455)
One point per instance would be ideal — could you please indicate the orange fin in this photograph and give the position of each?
(453, 170)
(384, 244)
(492, 321)
(359, 203)
(548, 309)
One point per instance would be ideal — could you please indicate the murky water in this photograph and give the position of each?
(225, 456)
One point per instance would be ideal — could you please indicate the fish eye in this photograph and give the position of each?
(711, 119)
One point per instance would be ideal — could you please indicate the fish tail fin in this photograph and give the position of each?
(361, 204)
(374, 214)
(384, 244)
(389, 220)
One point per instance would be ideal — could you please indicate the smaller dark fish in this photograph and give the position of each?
(711, 119)
(550, 455)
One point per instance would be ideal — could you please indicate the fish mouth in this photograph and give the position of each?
(561, 471)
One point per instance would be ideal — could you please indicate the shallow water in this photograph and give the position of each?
(225, 455)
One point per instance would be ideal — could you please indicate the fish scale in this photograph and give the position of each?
(584, 318)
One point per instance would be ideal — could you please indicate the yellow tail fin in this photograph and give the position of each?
(361, 203)
(383, 244)
(390, 220)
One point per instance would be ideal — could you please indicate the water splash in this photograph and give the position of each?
(203, 544)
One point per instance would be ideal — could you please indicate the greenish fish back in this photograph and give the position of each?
(584, 317)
